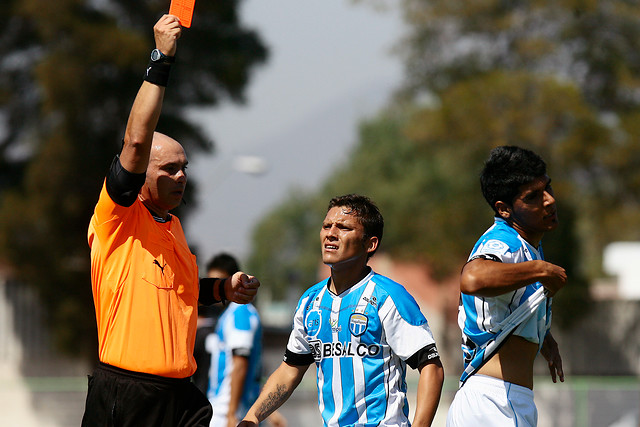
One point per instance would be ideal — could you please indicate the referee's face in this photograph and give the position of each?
(166, 175)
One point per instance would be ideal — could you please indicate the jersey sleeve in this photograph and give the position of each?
(119, 192)
(241, 328)
(116, 202)
(408, 333)
(123, 186)
(493, 249)
(298, 351)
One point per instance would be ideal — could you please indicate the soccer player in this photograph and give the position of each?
(224, 266)
(144, 277)
(235, 350)
(361, 329)
(506, 289)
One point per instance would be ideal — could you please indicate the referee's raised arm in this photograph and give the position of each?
(147, 106)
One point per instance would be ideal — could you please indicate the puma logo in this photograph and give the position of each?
(155, 261)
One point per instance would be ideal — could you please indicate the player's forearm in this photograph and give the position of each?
(487, 278)
(238, 375)
(271, 398)
(276, 391)
(428, 395)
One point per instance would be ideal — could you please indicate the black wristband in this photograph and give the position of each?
(207, 288)
(158, 73)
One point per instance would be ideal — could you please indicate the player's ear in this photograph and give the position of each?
(371, 244)
(503, 209)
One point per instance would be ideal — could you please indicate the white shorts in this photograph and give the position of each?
(488, 401)
(218, 421)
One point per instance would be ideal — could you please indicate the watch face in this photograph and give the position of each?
(156, 55)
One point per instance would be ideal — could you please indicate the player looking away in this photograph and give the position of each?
(361, 329)
(506, 289)
(235, 349)
(144, 277)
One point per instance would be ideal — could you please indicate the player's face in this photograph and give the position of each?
(534, 210)
(166, 176)
(343, 239)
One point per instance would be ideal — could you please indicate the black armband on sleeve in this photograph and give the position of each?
(424, 356)
(123, 186)
(488, 257)
(206, 295)
(242, 352)
(295, 359)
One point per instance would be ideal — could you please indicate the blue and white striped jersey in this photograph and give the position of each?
(361, 341)
(482, 318)
(238, 330)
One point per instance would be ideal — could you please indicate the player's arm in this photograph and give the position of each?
(236, 385)
(276, 391)
(488, 277)
(428, 395)
(551, 353)
(147, 106)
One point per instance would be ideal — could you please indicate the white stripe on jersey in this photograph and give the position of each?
(395, 397)
(320, 373)
(336, 379)
(358, 368)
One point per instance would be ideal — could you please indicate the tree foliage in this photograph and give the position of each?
(592, 46)
(69, 73)
(560, 78)
(286, 246)
(591, 43)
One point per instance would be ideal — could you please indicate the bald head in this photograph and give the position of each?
(166, 175)
(163, 145)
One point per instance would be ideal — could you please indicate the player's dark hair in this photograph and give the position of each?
(366, 211)
(506, 170)
(224, 262)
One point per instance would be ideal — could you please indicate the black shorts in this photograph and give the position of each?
(121, 398)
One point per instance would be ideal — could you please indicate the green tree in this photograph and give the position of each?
(69, 73)
(561, 78)
(590, 45)
(286, 245)
(421, 166)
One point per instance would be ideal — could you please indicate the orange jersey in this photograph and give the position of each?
(145, 290)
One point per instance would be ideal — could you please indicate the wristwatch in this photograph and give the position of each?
(158, 56)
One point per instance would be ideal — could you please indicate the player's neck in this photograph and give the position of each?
(342, 280)
(531, 237)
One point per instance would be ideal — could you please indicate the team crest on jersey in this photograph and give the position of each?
(358, 324)
(496, 246)
(312, 322)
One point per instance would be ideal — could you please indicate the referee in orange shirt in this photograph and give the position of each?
(144, 277)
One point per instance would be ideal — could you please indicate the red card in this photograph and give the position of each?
(183, 9)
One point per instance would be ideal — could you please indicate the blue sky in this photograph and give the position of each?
(330, 66)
